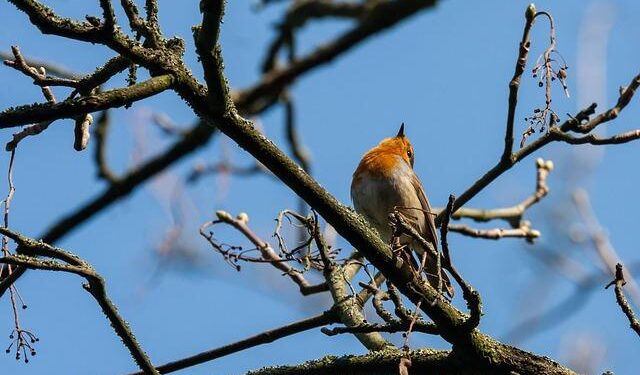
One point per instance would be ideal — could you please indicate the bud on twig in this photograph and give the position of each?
(531, 12)
(81, 132)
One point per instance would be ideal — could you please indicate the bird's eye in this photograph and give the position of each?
(409, 154)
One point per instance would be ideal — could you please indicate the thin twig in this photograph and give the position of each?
(95, 285)
(514, 84)
(472, 297)
(622, 301)
(268, 254)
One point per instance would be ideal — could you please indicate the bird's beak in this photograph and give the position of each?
(401, 131)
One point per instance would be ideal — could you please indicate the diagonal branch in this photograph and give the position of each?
(386, 15)
(266, 337)
(250, 101)
(622, 301)
(626, 94)
(50, 23)
(67, 262)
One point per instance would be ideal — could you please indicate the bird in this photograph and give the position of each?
(385, 181)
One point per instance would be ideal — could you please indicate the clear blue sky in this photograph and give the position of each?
(444, 73)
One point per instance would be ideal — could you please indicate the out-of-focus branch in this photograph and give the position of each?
(101, 129)
(299, 152)
(197, 137)
(67, 262)
(300, 13)
(225, 166)
(606, 253)
(622, 301)
(383, 15)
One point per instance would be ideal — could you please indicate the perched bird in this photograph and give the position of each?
(385, 181)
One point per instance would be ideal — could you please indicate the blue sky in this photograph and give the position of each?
(444, 73)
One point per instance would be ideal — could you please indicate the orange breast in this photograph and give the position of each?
(380, 161)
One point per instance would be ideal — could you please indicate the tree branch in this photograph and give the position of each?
(95, 285)
(71, 108)
(622, 301)
(514, 84)
(266, 337)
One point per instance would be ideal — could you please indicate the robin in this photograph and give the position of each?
(384, 182)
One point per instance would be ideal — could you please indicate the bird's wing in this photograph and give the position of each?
(430, 225)
(431, 235)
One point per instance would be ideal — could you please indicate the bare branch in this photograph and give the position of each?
(514, 84)
(472, 297)
(95, 286)
(38, 75)
(346, 306)
(53, 69)
(266, 337)
(102, 74)
(83, 105)
(268, 254)
(100, 156)
(300, 13)
(50, 23)
(383, 15)
(595, 140)
(206, 38)
(622, 301)
(524, 231)
(626, 94)
(429, 328)
(226, 167)
(513, 215)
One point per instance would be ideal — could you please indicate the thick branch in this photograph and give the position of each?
(346, 306)
(206, 38)
(50, 23)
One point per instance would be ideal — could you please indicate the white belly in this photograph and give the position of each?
(376, 198)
